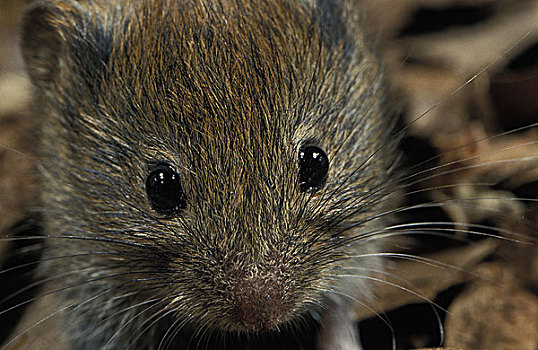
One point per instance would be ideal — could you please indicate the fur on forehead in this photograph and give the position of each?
(231, 65)
(289, 61)
(261, 74)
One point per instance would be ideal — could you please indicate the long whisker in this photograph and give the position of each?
(467, 82)
(425, 205)
(474, 143)
(68, 286)
(154, 302)
(401, 280)
(61, 310)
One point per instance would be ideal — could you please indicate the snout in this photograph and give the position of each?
(258, 303)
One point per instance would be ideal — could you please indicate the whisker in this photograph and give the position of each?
(164, 342)
(125, 324)
(431, 204)
(67, 287)
(54, 258)
(416, 258)
(474, 143)
(61, 310)
(467, 82)
(402, 280)
(156, 317)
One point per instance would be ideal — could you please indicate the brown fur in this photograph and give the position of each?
(225, 91)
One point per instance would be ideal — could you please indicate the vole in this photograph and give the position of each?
(208, 167)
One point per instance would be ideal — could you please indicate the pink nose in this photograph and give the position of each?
(258, 303)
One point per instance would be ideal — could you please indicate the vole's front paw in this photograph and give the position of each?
(338, 331)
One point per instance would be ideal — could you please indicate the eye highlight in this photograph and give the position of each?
(164, 191)
(313, 168)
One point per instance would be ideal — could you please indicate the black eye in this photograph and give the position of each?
(313, 168)
(164, 190)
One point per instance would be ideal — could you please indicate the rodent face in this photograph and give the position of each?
(227, 96)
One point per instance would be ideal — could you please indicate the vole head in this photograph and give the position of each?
(219, 152)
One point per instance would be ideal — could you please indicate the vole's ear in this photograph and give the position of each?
(41, 41)
(60, 33)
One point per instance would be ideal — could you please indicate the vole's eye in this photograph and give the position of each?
(313, 168)
(164, 190)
